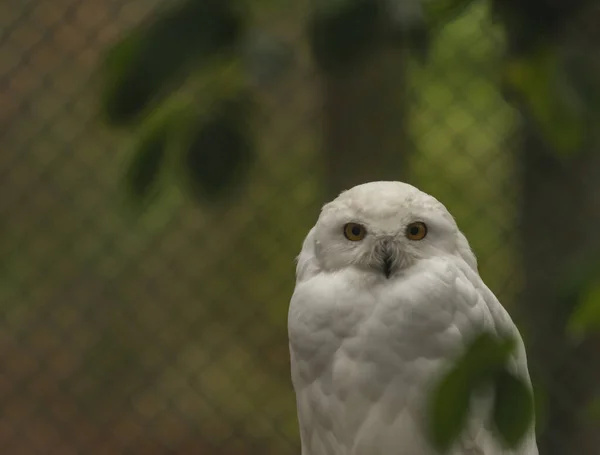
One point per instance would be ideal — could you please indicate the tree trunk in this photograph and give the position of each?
(364, 122)
(559, 226)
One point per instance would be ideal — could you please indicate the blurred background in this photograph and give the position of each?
(159, 169)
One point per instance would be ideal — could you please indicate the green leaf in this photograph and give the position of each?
(484, 357)
(148, 161)
(145, 65)
(586, 316)
(449, 408)
(577, 295)
(218, 151)
(513, 408)
(123, 93)
(343, 34)
(539, 81)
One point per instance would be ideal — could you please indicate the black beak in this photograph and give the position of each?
(387, 265)
(386, 255)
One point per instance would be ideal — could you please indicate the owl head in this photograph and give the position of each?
(384, 228)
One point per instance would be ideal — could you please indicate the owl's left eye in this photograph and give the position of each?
(416, 231)
(354, 231)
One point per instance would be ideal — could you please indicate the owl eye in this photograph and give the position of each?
(416, 231)
(354, 232)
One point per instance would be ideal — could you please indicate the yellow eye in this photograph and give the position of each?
(416, 231)
(354, 232)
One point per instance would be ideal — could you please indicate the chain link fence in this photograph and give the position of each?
(165, 333)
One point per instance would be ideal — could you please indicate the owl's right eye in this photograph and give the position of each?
(354, 232)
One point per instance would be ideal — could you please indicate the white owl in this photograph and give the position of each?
(387, 295)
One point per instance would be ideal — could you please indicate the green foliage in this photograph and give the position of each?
(148, 160)
(579, 297)
(143, 75)
(540, 82)
(558, 92)
(149, 65)
(541, 77)
(450, 407)
(485, 356)
(483, 363)
(197, 49)
(124, 91)
(586, 316)
(141, 68)
(211, 148)
(513, 407)
(217, 150)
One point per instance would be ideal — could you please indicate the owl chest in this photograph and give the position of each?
(355, 387)
(355, 340)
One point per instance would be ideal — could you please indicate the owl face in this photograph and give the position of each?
(384, 228)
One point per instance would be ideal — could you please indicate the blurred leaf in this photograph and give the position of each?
(218, 150)
(513, 408)
(586, 316)
(143, 65)
(148, 161)
(345, 32)
(226, 79)
(122, 93)
(449, 408)
(576, 294)
(541, 84)
(485, 356)
(207, 134)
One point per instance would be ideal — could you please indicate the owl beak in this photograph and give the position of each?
(387, 258)
(387, 265)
